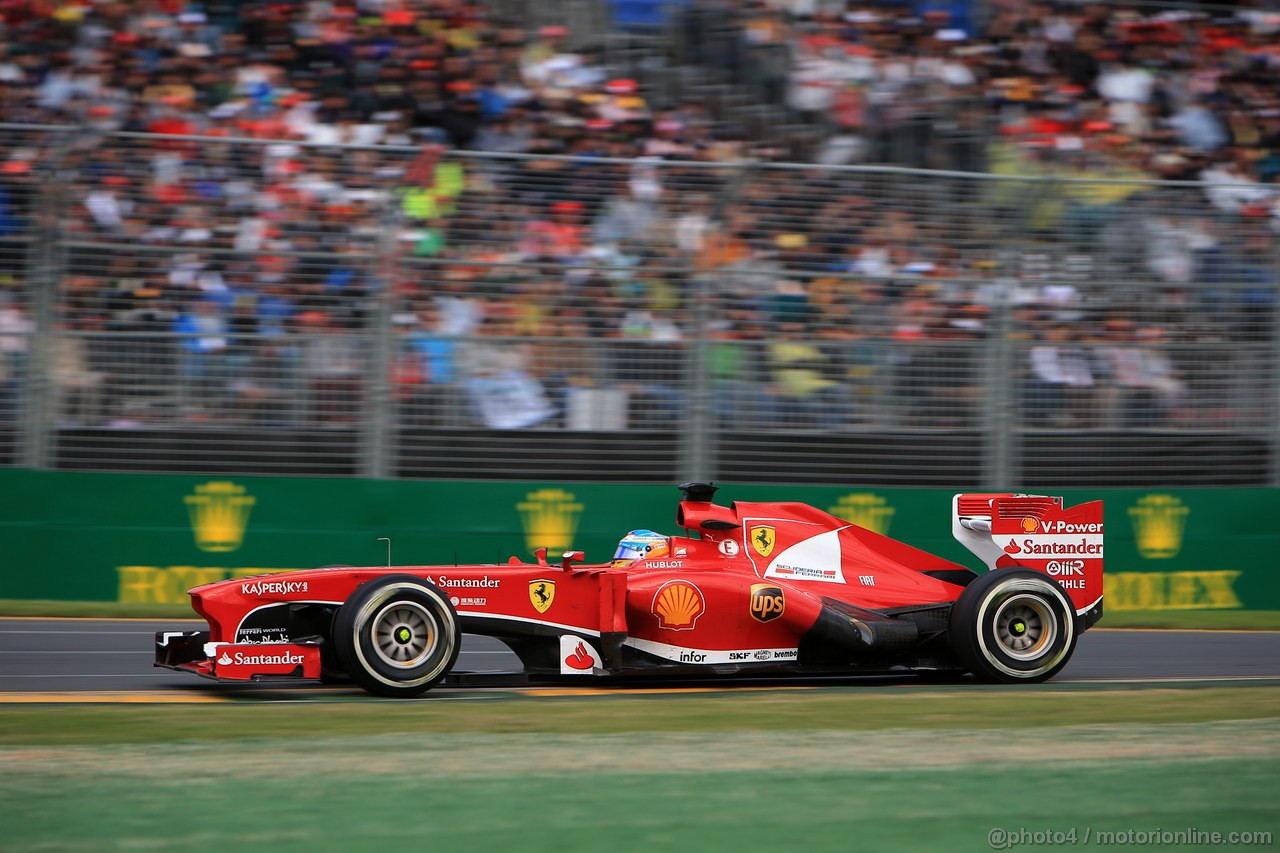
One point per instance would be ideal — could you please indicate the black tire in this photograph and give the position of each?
(397, 636)
(331, 671)
(1013, 626)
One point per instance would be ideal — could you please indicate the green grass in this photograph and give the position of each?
(620, 712)
(828, 769)
(771, 770)
(784, 808)
(94, 609)
(1205, 620)
(1186, 619)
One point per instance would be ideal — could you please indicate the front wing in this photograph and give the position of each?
(191, 651)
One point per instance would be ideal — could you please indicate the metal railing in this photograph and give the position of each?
(242, 305)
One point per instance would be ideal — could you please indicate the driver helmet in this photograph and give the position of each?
(639, 545)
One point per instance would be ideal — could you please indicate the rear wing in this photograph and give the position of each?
(1036, 532)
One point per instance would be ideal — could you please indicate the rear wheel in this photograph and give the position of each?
(1013, 625)
(397, 636)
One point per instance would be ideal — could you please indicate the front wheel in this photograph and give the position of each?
(397, 636)
(1013, 626)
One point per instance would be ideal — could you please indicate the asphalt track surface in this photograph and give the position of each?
(80, 657)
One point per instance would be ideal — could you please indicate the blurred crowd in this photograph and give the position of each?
(369, 72)
(1088, 88)
(544, 238)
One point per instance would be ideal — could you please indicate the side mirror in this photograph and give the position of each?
(571, 557)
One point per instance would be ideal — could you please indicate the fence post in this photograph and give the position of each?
(998, 470)
(375, 427)
(1274, 384)
(700, 441)
(46, 266)
(1003, 448)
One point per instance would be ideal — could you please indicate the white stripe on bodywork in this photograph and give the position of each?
(504, 618)
(749, 522)
(1088, 607)
(816, 559)
(684, 654)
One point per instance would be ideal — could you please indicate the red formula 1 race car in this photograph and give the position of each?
(751, 589)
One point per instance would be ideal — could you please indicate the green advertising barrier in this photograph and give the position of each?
(147, 538)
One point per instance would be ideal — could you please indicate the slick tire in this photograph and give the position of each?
(397, 636)
(1013, 626)
(330, 670)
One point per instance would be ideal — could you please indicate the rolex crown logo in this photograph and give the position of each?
(550, 519)
(1158, 524)
(865, 510)
(219, 513)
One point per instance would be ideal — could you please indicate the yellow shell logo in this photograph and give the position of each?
(865, 510)
(219, 513)
(678, 605)
(550, 519)
(1029, 524)
(1158, 524)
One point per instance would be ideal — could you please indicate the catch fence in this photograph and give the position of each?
(224, 305)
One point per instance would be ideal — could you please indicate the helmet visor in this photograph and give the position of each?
(629, 552)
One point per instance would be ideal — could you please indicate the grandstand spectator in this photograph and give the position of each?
(496, 371)
(569, 367)
(16, 196)
(423, 368)
(1232, 184)
(332, 364)
(202, 329)
(801, 392)
(1149, 390)
(267, 388)
(76, 385)
(1058, 388)
(735, 358)
(16, 330)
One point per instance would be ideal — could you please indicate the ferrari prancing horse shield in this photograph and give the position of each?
(541, 594)
(762, 539)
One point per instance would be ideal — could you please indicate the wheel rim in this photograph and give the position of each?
(1025, 626)
(404, 634)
